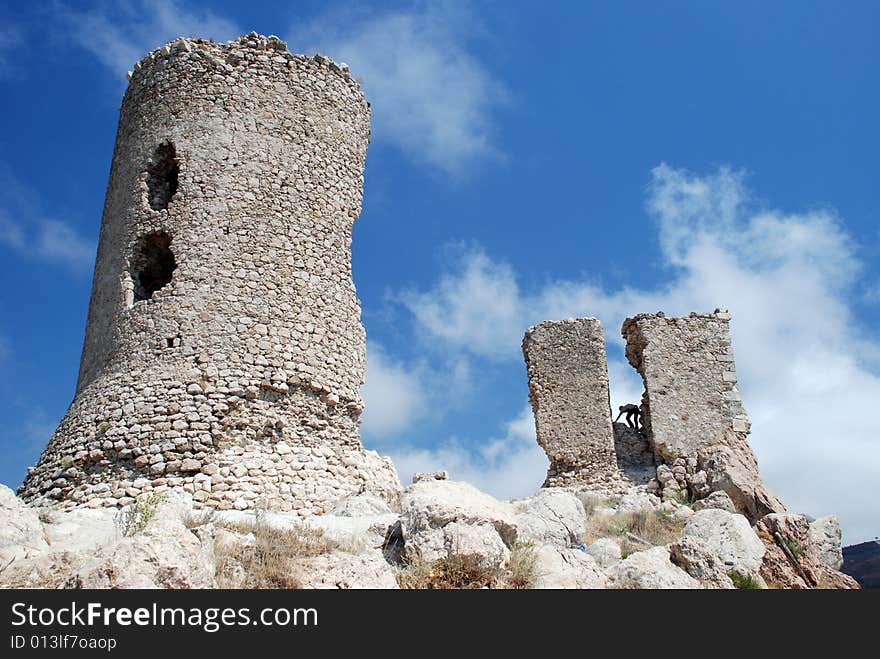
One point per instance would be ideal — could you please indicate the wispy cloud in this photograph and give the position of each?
(26, 229)
(790, 279)
(509, 466)
(118, 34)
(431, 95)
(398, 394)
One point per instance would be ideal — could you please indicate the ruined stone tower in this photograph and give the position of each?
(224, 349)
(691, 407)
(568, 389)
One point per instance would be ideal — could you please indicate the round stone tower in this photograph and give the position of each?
(224, 349)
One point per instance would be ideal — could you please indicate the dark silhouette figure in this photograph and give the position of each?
(633, 413)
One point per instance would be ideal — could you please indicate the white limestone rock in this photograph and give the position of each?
(164, 555)
(824, 541)
(605, 551)
(651, 569)
(442, 517)
(341, 570)
(21, 531)
(730, 537)
(720, 500)
(553, 516)
(697, 559)
(563, 567)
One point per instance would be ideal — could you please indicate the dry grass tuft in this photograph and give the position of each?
(522, 568)
(455, 571)
(592, 501)
(653, 526)
(271, 560)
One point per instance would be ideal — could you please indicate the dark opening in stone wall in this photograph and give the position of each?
(152, 264)
(162, 176)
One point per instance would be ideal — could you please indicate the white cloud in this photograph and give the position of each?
(807, 370)
(119, 34)
(510, 466)
(431, 96)
(394, 396)
(25, 229)
(398, 394)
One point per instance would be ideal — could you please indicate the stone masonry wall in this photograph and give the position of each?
(568, 389)
(224, 349)
(692, 410)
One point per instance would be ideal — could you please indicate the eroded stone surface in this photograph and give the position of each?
(692, 410)
(568, 389)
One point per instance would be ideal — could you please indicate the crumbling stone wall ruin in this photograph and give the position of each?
(692, 409)
(695, 426)
(568, 389)
(224, 349)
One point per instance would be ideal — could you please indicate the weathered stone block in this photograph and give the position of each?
(691, 406)
(568, 389)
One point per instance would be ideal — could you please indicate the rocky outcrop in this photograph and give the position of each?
(441, 517)
(824, 538)
(730, 537)
(719, 500)
(560, 567)
(692, 411)
(21, 531)
(697, 559)
(165, 554)
(605, 551)
(342, 570)
(793, 559)
(552, 517)
(651, 569)
(635, 454)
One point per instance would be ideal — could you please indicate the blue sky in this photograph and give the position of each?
(530, 161)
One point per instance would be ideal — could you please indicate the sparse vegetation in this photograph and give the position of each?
(268, 559)
(454, 571)
(521, 571)
(132, 519)
(635, 531)
(744, 581)
(593, 501)
(794, 547)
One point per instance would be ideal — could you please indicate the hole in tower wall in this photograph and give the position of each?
(152, 265)
(162, 176)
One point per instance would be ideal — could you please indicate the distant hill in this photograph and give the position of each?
(862, 563)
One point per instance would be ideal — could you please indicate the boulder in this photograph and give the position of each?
(791, 560)
(730, 537)
(697, 559)
(21, 531)
(635, 501)
(824, 540)
(552, 517)
(164, 555)
(650, 569)
(731, 467)
(339, 569)
(605, 551)
(562, 567)
(441, 517)
(720, 500)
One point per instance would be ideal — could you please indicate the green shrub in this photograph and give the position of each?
(134, 518)
(744, 581)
